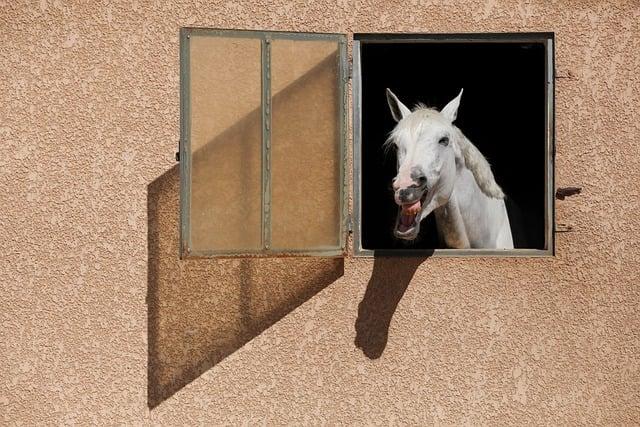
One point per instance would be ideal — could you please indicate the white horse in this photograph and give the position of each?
(441, 171)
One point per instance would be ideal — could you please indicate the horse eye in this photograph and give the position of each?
(444, 141)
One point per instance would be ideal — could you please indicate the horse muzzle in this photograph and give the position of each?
(409, 195)
(409, 214)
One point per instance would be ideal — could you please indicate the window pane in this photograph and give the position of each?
(305, 140)
(226, 143)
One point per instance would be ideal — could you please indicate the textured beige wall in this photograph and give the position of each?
(101, 322)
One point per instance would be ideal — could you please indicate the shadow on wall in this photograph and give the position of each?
(200, 311)
(389, 281)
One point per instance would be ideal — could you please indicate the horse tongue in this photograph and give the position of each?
(409, 213)
(411, 209)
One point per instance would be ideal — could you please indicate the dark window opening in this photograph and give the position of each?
(502, 112)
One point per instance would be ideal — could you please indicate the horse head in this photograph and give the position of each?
(430, 150)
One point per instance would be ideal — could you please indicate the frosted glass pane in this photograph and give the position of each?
(226, 144)
(305, 141)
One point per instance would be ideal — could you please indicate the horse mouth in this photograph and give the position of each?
(408, 221)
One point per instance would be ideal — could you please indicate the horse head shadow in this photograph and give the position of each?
(389, 281)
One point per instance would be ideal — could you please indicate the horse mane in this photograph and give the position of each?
(421, 106)
(479, 167)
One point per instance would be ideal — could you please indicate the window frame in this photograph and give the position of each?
(265, 38)
(548, 40)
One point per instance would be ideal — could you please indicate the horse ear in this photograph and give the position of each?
(450, 111)
(398, 109)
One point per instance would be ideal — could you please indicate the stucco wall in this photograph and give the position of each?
(101, 322)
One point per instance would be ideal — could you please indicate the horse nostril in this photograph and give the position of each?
(419, 177)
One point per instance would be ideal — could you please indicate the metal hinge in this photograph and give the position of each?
(350, 224)
(178, 152)
(563, 228)
(563, 192)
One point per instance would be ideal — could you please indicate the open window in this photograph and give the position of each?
(263, 143)
(263, 147)
(505, 114)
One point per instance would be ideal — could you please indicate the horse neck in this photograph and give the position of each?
(449, 219)
(450, 224)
